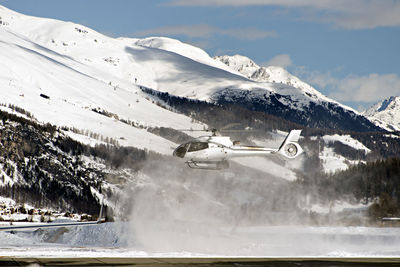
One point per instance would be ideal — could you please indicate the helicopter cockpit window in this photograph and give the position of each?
(196, 146)
(181, 150)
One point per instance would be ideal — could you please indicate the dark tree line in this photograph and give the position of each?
(45, 177)
(115, 157)
(375, 182)
(325, 115)
(221, 115)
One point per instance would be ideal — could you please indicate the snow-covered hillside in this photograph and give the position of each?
(386, 113)
(331, 160)
(60, 72)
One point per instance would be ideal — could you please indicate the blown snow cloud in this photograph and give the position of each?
(348, 14)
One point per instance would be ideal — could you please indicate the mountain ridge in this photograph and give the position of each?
(386, 113)
(274, 74)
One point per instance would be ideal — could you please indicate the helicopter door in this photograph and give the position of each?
(181, 150)
(196, 146)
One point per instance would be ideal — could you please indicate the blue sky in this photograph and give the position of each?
(347, 49)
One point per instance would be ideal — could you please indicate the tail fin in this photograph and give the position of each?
(290, 148)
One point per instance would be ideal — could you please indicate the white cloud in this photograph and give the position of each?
(282, 60)
(354, 88)
(371, 88)
(196, 31)
(204, 30)
(348, 14)
(247, 33)
(316, 78)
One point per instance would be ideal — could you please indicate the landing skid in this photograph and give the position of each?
(208, 165)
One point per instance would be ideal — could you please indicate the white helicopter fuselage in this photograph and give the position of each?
(216, 150)
(222, 148)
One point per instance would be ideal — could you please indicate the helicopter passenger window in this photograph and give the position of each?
(196, 146)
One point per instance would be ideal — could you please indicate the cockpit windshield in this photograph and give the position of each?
(180, 151)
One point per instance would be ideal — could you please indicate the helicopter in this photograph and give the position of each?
(213, 152)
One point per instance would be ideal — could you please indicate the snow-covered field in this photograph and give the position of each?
(183, 240)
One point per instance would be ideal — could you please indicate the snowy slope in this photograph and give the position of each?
(183, 49)
(52, 58)
(333, 161)
(386, 113)
(346, 140)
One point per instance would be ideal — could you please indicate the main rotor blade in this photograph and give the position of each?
(193, 130)
(229, 126)
(239, 131)
(216, 130)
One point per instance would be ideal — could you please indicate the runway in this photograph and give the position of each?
(256, 246)
(229, 261)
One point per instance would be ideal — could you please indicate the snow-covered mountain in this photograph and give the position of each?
(271, 74)
(80, 70)
(295, 99)
(386, 114)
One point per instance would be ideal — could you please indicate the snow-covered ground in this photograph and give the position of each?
(183, 240)
(332, 161)
(346, 140)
